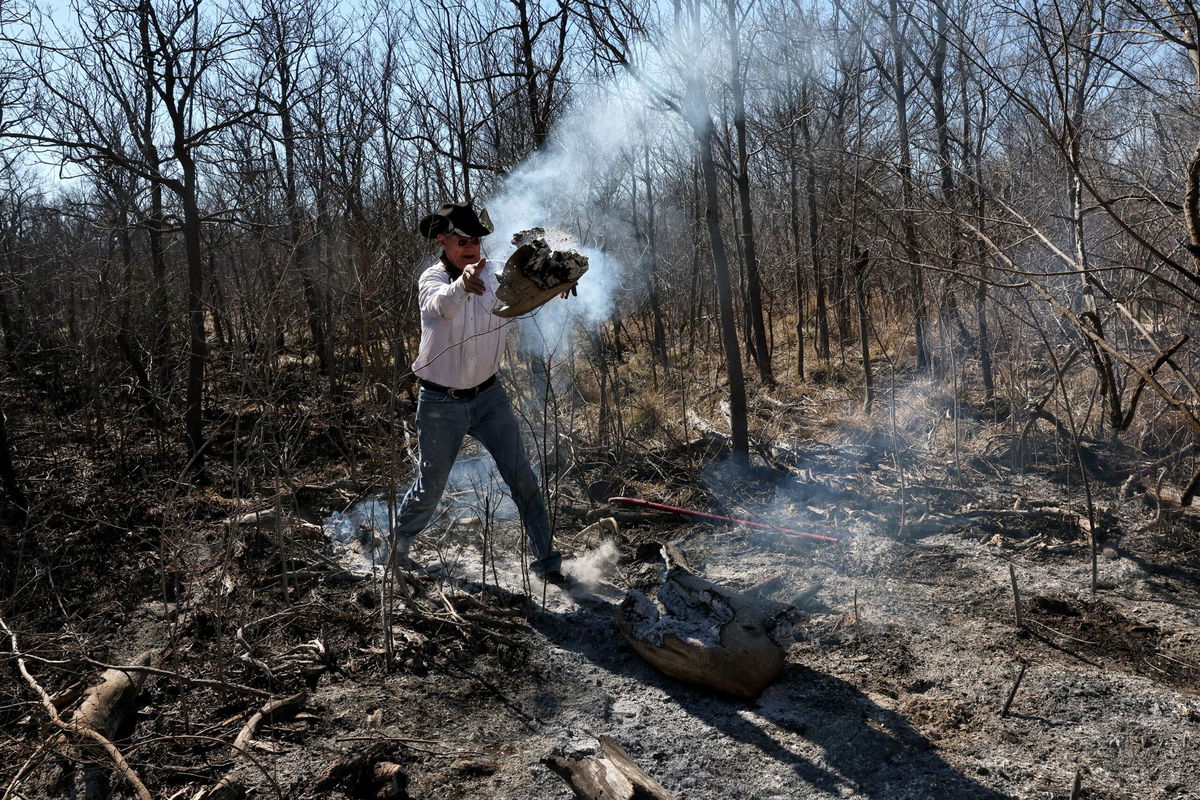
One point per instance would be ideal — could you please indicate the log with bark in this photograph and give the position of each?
(107, 701)
(105, 705)
(536, 272)
(707, 634)
(613, 775)
(1169, 497)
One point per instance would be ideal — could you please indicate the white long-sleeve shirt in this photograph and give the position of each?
(462, 341)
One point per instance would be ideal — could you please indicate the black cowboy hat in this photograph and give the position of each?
(456, 218)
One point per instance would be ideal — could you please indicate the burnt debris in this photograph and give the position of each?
(536, 271)
(544, 265)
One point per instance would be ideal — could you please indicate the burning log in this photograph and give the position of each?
(611, 776)
(536, 272)
(707, 634)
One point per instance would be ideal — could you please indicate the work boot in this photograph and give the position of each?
(554, 576)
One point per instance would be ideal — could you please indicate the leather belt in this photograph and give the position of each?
(458, 394)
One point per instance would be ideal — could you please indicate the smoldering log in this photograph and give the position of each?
(536, 272)
(707, 634)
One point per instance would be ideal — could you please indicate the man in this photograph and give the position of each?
(462, 342)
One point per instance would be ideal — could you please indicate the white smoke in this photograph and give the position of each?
(593, 567)
(573, 186)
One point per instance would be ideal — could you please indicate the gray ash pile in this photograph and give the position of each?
(537, 271)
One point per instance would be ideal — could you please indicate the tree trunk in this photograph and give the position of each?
(660, 332)
(912, 252)
(299, 251)
(8, 471)
(814, 236)
(758, 331)
(729, 337)
(194, 415)
(794, 225)
(861, 262)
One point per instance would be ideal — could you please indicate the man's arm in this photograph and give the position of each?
(439, 294)
(445, 297)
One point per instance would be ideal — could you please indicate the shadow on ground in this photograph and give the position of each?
(831, 735)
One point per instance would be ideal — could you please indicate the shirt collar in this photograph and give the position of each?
(451, 270)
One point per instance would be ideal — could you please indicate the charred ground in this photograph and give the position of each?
(907, 650)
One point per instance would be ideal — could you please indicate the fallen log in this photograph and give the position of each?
(106, 703)
(707, 634)
(1170, 497)
(613, 775)
(101, 712)
(102, 697)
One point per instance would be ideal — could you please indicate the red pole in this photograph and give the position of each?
(633, 501)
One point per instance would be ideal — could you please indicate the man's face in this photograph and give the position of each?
(460, 250)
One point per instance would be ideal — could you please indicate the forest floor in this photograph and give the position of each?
(905, 653)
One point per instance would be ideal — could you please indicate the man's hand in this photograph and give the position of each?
(472, 277)
(572, 292)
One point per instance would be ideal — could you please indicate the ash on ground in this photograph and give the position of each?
(693, 617)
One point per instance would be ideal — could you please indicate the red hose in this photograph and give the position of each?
(633, 501)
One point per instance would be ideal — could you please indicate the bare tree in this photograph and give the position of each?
(685, 36)
(141, 76)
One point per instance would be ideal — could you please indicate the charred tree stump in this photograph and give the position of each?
(707, 634)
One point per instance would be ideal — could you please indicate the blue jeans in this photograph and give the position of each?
(442, 423)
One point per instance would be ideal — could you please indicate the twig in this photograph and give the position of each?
(280, 705)
(30, 764)
(1057, 632)
(1012, 576)
(149, 670)
(1077, 789)
(1013, 692)
(450, 606)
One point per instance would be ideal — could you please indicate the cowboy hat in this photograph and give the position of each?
(458, 219)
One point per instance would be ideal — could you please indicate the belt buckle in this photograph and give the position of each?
(457, 394)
